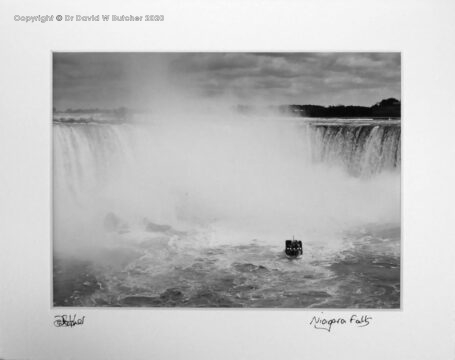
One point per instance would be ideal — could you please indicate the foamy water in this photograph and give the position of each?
(194, 211)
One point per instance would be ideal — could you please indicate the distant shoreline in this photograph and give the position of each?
(387, 109)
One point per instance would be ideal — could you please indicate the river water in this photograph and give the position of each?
(194, 212)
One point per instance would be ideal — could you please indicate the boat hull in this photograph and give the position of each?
(293, 257)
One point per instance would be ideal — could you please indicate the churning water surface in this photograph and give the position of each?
(194, 212)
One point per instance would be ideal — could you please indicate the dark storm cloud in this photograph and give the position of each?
(109, 79)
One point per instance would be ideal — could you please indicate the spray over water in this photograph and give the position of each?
(254, 177)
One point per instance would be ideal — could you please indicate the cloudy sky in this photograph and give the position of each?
(147, 80)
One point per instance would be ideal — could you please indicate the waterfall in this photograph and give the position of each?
(84, 153)
(252, 175)
(362, 150)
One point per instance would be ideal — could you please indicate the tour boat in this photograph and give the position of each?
(293, 249)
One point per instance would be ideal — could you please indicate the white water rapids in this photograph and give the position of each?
(216, 182)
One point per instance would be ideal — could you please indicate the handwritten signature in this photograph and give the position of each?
(323, 323)
(68, 320)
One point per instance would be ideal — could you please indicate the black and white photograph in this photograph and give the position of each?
(226, 179)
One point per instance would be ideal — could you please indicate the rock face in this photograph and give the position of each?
(165, 229)
(152, 227)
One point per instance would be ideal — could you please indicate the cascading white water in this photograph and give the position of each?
(220, 194)
(251, 177)
(363, 150)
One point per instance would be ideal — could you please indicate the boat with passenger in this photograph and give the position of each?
(293, 249)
